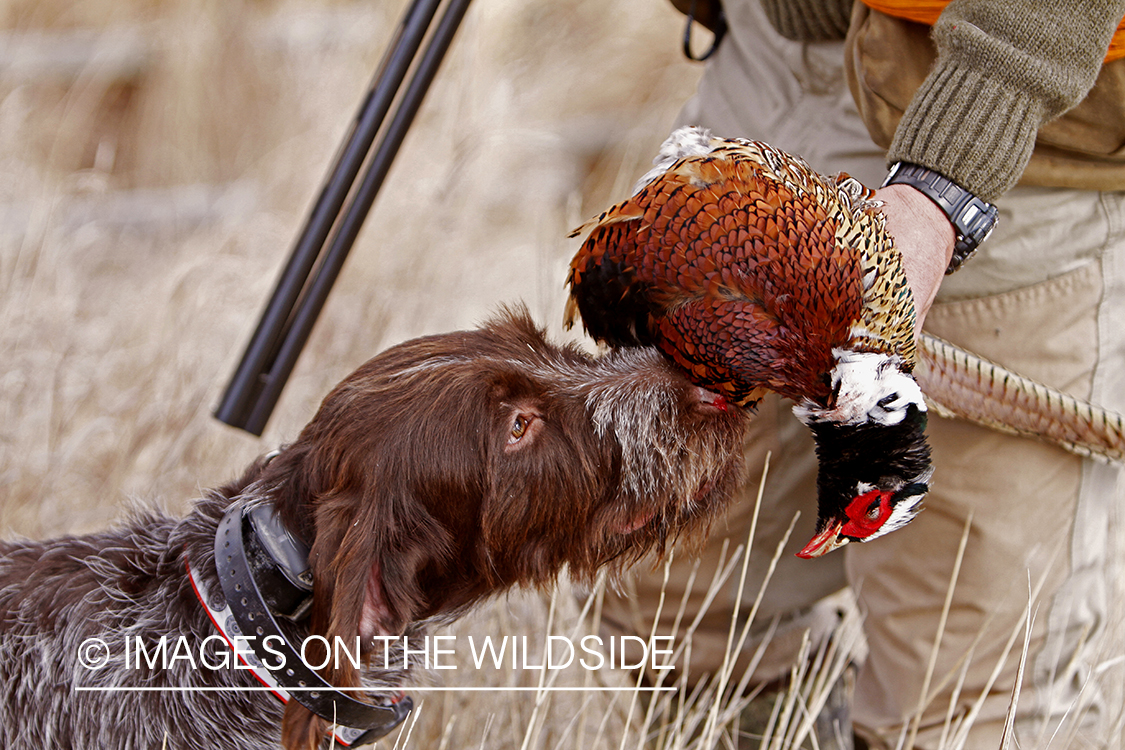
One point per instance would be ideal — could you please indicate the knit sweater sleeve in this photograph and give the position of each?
(809, 20)
(1003, 70)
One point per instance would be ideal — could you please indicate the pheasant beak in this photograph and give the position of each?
(824, 542)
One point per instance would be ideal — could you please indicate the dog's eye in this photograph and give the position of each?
(522, 429)
(519, 428)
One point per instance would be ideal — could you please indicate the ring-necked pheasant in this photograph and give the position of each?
(754, 274)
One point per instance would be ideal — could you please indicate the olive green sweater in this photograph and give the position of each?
(1003, 70)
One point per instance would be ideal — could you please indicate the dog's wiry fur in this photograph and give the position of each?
(443, 471)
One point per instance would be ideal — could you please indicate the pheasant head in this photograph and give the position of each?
(871, 445)
(755, 274)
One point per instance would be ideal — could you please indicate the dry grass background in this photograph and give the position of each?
(158, 158)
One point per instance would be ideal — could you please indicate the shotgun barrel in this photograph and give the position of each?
(335, 219)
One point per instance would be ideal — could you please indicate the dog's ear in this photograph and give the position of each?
(345, 569)
(369, 546)
(301, 729)
(351, 523)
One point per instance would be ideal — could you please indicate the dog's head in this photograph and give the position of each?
(452, 467)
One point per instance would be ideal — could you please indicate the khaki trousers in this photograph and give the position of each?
(1045, 297)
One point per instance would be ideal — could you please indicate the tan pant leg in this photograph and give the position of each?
(1035, 508)
(1038, 514)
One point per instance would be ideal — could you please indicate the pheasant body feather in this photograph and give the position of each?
(747, 269)
(755, 274)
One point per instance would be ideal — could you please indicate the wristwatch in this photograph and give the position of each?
(972, 218)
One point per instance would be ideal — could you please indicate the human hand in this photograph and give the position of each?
(923, 234)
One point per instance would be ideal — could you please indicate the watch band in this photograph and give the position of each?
(972, 218)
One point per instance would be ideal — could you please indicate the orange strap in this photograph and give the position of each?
(927, 12)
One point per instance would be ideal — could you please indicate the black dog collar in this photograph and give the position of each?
(258, 584)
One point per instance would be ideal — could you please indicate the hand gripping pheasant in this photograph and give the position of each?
(755, 274)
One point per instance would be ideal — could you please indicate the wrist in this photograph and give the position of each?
(972, 218)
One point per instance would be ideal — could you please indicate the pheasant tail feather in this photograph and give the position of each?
(958, 383)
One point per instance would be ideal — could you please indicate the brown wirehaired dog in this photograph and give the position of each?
(443, 471)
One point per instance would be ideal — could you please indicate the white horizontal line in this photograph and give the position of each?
(263, 689)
